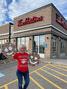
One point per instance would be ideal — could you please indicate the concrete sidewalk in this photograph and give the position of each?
(61, 61)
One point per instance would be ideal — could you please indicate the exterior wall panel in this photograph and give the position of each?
(4, 29)
(46, 13)
(54, 12)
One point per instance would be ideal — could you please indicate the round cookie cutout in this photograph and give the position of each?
(9, 49)
(34, 59)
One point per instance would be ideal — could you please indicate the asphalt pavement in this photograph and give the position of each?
(47, 75)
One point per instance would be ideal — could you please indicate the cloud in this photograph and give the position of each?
(3, 11)
(19, 7)
(62, 7)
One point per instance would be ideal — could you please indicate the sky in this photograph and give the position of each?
(9, 9)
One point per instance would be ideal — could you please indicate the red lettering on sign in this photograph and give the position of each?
(60, 21)
(29, 20)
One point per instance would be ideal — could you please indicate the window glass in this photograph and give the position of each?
(22, 41)
(18, 43)
(62, 46)
(41, 44)
(54, 46)
(12, 40)
(35, 44)
(2, 41)
(27, 43)
(5, 40)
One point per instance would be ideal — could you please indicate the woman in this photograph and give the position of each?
(22, 67)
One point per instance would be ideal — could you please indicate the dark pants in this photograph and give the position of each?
(20, 79)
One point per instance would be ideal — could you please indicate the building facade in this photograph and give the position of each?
(6, 32)
(43, 31)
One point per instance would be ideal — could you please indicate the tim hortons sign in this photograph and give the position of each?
(60, 20)
(29, 20)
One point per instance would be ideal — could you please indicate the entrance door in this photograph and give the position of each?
(38, 46)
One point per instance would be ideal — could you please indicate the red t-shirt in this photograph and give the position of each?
(22, 59)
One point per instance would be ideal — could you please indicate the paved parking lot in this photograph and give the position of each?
(43, 76)
(6, 61)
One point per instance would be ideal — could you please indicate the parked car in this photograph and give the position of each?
(2, 57)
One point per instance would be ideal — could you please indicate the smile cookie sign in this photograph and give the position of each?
(8, 49)
(34, 59)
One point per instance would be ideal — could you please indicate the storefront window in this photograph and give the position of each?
(23, 41)
(39, 42)
(18, 43)
(12, 40)
(5, 41)
(27, 43)
(62, 46)
(2, 41)
(35, 48)
(54, 46)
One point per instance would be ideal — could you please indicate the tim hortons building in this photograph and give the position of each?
(43, 31)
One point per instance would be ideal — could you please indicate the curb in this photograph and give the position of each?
(53, 63)
(47, 62)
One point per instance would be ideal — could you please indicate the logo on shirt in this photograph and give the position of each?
(23, 61)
